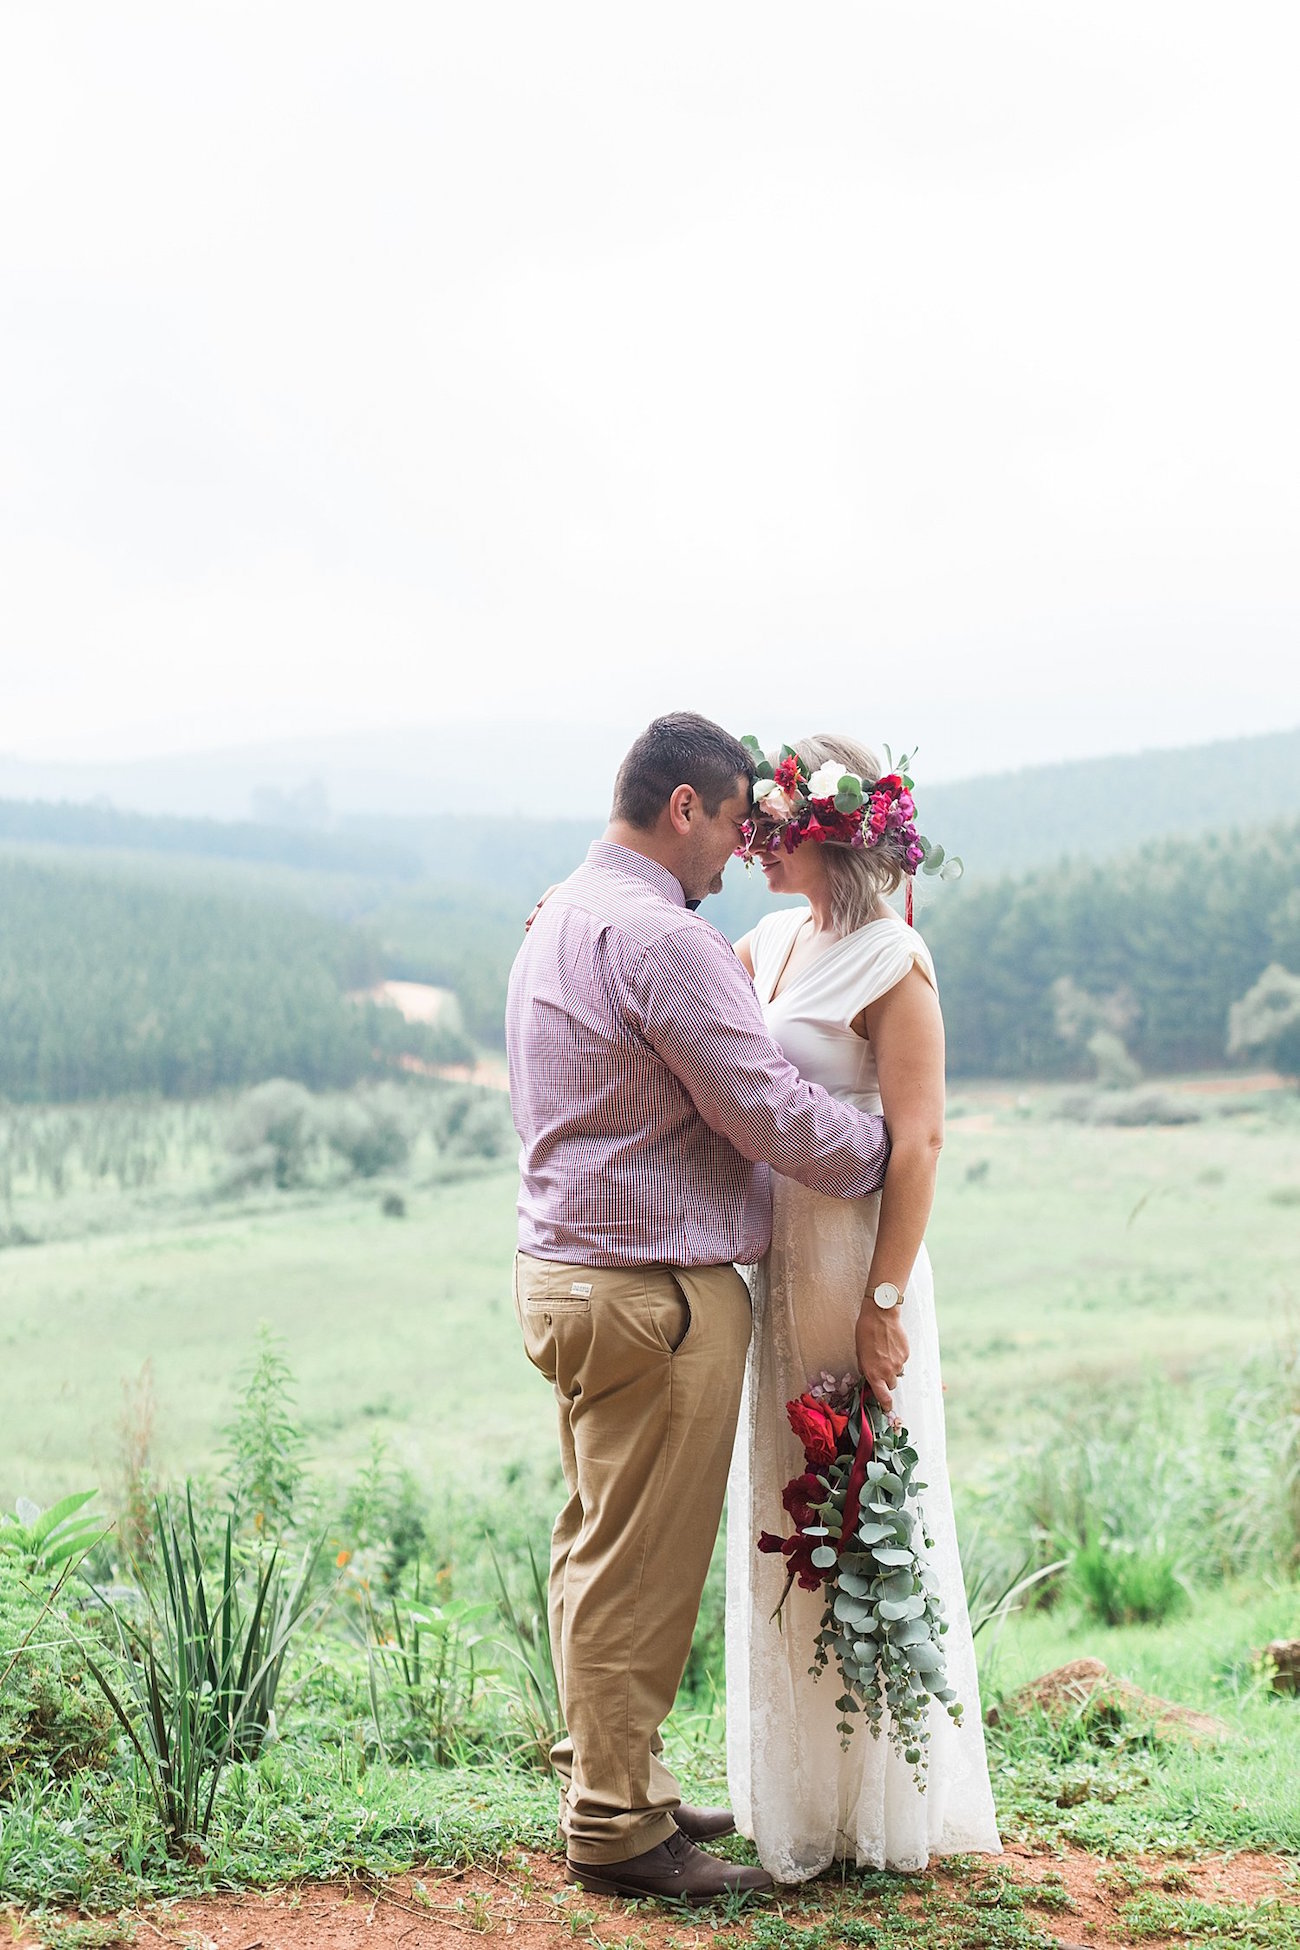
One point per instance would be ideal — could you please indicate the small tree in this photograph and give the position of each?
(1266, 1021)
(265, 1441)
(1099, 1025)
(272, 1131)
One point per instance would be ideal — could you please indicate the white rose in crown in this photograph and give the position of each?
(825, 781)
(774, 804)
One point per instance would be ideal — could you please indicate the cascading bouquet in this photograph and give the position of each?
(857, 1518)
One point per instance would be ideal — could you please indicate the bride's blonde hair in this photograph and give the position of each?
(859, 877)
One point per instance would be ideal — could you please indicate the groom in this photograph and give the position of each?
(649, 1100)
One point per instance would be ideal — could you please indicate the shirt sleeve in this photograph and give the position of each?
(700, 1015)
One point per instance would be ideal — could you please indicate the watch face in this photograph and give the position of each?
(887, 1294)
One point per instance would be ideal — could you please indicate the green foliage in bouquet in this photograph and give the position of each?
(861, 1536)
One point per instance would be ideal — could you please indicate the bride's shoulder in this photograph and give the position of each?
(888, 947)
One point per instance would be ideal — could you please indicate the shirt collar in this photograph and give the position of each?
(621, 859)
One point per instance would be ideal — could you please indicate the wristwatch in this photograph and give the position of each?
(887, 1295)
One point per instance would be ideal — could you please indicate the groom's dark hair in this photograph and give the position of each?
(680, 749)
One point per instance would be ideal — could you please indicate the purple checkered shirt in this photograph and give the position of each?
(648, 1096)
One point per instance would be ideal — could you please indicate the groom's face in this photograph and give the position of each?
(713, 839)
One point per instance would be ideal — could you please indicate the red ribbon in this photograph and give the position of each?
(857, 1475)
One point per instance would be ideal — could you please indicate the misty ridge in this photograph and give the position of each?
(157, 951)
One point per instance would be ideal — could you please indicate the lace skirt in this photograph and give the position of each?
(802, 1800)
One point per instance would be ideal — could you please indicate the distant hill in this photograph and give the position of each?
(394, 789)
(1164, 940)
(70, 824)
(441, 897)
(113, 983)
(1106, 806)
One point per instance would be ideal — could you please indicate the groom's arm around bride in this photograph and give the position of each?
(650, 1102)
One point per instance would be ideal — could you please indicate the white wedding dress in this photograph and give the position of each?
(802, 1800)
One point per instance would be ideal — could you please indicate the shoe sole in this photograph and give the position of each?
(602, 1886)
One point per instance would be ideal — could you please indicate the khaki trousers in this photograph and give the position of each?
(647, 1366)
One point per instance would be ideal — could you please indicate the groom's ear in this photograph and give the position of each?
(683, 807)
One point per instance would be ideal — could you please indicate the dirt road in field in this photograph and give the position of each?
(1069, 1896)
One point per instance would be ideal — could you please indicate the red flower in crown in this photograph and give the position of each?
(788, 774)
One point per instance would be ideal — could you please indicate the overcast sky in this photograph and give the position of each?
(926, 371)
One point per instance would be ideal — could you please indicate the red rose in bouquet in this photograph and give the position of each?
(818, 1427)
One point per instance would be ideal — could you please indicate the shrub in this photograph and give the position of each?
(1127, 1584)
(52, 1718)
(369, 1133)
(1199, 1488)
(265, 1441)
(271, 1134)
(195, 1686)
(1266, 1021)
(475, 1123)
(1128, 1107)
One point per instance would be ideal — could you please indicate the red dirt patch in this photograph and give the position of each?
(530, 1904)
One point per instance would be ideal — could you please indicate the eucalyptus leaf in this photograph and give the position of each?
(823, 1557)
(910, 1631)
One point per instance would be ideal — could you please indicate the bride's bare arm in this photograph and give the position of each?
(905, 1029)
(745, 952)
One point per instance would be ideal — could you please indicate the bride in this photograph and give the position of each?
(849, 992)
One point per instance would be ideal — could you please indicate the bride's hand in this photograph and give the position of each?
(540, 905)
(882, 1350)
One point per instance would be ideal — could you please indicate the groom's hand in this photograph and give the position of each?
(882, 1350)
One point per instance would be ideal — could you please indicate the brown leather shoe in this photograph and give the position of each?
(676, 1870)
(704, 1824)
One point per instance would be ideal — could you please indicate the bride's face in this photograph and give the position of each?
(800, 872)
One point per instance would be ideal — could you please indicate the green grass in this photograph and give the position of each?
(1114, 1789)
(1076, 1267)
(1074, 1261)
(399, 1326)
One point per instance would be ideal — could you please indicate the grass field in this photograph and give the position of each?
(1071, 1261)
(1080, 1269)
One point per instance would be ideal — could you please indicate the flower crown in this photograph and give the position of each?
(835, 807)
